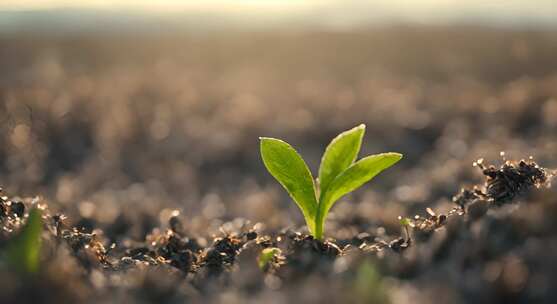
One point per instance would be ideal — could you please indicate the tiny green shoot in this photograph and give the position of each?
(266, 256)
(23, 251)
(339, 173)
(405, 222)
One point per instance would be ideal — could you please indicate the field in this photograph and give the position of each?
(143, 152)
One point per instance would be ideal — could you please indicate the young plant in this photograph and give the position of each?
(267, 256)
(338, 173)
(24, 250)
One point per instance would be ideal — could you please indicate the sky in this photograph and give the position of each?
(341, 13)
(149, 4)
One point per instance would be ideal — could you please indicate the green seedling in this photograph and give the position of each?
(405, 222)
(266, 256)
(339, 174)
(23, 251)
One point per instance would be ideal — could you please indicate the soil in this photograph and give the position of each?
(147, 172)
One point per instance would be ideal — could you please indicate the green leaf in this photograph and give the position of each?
(351, 179)
(290, 170)
(24, 250)
(339, 155)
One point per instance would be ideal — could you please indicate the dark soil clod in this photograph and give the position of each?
(179, 252)
(221, 254)
(512, 179)
(400, 244)
(504, 183)
(17, 209)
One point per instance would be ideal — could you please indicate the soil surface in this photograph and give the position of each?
(142, 155)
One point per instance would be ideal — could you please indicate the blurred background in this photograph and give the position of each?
(117, 112)
(160, 104)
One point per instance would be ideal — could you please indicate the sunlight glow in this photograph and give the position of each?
(331, 12)
(155, 5)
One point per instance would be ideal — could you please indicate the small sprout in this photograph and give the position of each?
(339, 173)
(23, 251)
(267, 256)
(405, 222)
